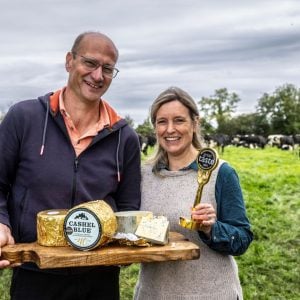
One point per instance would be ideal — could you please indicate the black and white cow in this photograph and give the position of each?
(296, 139)
(250, 141)
(297, 144)
(146, 142)
(218, 140)
(274, 140)
(287, 142)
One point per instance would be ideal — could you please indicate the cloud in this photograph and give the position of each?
(248, 47)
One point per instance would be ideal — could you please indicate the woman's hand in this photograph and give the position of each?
(205, 215)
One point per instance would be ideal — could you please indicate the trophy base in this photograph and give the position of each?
(188, 224)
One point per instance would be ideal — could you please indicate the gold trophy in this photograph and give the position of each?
(207, 161)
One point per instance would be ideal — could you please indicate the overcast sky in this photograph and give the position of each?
(249, 47)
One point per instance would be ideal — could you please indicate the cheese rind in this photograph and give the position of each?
(50, 228)
(128, 221)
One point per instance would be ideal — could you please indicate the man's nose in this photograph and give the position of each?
(97, 74)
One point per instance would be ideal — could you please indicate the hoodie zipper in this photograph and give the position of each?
(74, 189)
(76, 162)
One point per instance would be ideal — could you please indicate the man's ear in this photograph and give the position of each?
(69, 58)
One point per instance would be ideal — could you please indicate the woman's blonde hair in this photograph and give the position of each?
(172, 94)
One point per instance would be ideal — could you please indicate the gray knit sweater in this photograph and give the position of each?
(214, 275)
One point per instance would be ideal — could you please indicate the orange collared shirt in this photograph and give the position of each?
(81, 142)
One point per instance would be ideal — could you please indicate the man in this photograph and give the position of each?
(60, 150)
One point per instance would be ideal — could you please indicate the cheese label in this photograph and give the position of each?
(82, 229)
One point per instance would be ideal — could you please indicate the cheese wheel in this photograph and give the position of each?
(50, 230)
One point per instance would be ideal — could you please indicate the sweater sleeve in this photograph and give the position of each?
(231, 234)
(9, 149)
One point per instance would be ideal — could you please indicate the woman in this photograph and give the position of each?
(225, 229)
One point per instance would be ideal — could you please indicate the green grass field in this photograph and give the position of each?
(270, 269)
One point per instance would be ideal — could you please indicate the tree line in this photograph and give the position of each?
(275, 113)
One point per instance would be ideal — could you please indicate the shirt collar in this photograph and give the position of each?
(103, 121)
(192, 166)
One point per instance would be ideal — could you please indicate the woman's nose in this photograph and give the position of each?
(170, 127)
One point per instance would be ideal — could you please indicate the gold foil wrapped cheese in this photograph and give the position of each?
(90, 224)
(50, 224)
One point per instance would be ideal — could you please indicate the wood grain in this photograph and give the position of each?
(178, 248)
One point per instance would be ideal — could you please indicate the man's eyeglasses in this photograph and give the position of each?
(91, 64)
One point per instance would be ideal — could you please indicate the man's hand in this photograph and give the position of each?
(5, 239)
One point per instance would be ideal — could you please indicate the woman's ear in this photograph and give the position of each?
(196, 123)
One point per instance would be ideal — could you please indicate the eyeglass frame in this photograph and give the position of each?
(96, 65)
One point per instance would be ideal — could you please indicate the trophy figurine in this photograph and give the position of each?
(207, 161)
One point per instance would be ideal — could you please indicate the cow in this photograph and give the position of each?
(250, 141)
(218, 140)
(235, 141)
(143, 142)
(146, 142)
(274, 140)
(296, 139)
(297, 144)
(287, 142)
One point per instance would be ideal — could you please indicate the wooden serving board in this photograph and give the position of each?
(178, 248)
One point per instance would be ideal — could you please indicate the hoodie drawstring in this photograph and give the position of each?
(117, 156)
(44, 140)
(45, 129)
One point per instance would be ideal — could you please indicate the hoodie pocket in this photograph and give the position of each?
(26, 219)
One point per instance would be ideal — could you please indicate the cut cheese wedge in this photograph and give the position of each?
(128, 221)
(155, 230)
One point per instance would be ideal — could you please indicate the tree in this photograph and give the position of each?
(219, 108)
(206, 127)
(2, 115)
(282, 109)
(253, 123)
(145, 129)
(130, 121)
